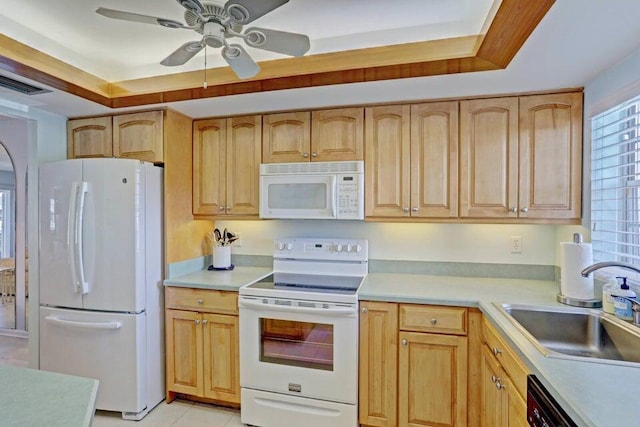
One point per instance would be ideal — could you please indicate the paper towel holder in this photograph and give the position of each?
(586, 303)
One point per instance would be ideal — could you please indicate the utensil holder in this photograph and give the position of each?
(221, 256)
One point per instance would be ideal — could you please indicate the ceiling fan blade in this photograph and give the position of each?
(240, 61)
(136, 17)
(183, 54)
(193, 5)
(293, 44)
(246, 11)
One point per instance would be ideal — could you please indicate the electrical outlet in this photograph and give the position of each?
(516, 244)
(238, 242)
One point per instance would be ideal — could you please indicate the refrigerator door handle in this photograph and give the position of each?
(85, 325)
(75, 237)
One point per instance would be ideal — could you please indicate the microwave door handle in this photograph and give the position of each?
(334, 192)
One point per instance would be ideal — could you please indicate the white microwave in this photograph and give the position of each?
(313, 190)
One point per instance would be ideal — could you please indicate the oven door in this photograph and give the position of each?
(298, 196)
(299, 348)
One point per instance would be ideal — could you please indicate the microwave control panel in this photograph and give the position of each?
(350, 194)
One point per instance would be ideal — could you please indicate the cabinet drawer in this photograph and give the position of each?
(510, 362)
(204, 300)
(435, 319)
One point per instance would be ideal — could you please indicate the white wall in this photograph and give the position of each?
(42, 138)
(480, 243)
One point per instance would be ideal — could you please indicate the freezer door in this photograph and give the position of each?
(114, 227)
(59, 183)
(104, 346)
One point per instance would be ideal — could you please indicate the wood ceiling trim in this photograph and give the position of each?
(512, 24)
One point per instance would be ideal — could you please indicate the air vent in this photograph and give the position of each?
(21, 87)
(311, 168)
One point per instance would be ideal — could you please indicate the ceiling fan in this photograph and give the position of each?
(217, 21)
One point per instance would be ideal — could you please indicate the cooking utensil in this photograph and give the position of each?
(217, 235)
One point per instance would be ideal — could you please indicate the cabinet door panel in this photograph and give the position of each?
(90, 137)
(489, 158)
(551, 155)
(221, 358)
(432, 380)
(434, 160)
(492, 402)
(516, 407)
(337, 135)
(286, 137)
(209, 148)
(378, 364)
(387, 161)
(139, 136)
(243, 165)
(184, 352)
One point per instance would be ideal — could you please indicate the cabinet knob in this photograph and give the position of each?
(204, 322)
(433, 321)
(221, 208)
(305, 155)
(514, 210)
(414, 209)
(496, 351)
(405, 210)
(524, 210)
(365, 310)
(494, 379)
(314, 154)
(200, 301)
(499, 385)
(228, 208)
(404, 342)
(197, 322)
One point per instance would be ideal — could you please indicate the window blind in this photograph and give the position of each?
(615, 183)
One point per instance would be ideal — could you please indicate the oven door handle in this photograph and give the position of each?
(338, 311)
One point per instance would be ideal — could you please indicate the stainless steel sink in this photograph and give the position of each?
(577, 333)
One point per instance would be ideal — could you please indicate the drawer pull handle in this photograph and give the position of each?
(433, 321)
(404, 341)
(200, 301)
(496, 351)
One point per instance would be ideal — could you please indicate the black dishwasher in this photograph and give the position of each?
(542, 408)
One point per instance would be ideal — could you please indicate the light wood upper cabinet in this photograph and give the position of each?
(131, 136)
(378, 363)
(434, 160)
(226, 166)
(286, 137)
(521, 157)
(489, 158)
(432, 380)
(90, 137)
(551, 156)
(139, 136)
(412, 160)
(337, 135)
(387, 161)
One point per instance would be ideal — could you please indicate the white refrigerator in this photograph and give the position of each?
(101, 296)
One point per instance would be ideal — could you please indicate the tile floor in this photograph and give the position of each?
(13, 351)
(179, 413)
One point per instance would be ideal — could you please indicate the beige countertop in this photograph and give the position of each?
(29, 397)
(593, 394)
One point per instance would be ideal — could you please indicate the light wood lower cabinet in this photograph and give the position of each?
(503, 383)
(202, 345)
(409, 377)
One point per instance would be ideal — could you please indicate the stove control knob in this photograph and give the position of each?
(358, 248)
(279, 246)
(350, 248)
(338, 247)
(289, 246)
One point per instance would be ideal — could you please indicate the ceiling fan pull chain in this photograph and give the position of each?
(204, 85)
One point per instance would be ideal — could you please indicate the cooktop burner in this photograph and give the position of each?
(344, 285)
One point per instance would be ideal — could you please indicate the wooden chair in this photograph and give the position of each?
(7, 279)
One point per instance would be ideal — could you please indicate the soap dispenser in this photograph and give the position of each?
(621, 304)
(608, 290)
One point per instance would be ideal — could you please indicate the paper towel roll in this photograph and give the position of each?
(574, 257)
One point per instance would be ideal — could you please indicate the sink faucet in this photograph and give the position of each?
(599, 265)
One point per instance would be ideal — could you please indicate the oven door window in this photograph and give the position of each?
(304, 344)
